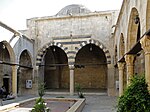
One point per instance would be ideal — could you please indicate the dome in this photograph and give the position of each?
(72, 10)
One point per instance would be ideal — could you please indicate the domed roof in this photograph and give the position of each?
(73, 9)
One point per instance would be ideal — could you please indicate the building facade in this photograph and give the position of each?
(101, 51)
(131, 42)
(75, 47)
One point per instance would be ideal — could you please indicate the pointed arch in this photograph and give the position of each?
(24, 74)
(100, 45)
(133, 27)
(7, 70)
(27, 54)
(43, 50)
(10, 50)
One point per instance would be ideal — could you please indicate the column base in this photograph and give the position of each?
(111, 92)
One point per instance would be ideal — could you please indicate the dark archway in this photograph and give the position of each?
(5, 68)
(91, 71)
(56, 70)
(24, 74)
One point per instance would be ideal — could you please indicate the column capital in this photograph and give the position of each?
(71, 67)
(120, 65)
(130, 66)
(129, 59)
(110, 65)
(145, 43)
(15, 66)
(36, 67)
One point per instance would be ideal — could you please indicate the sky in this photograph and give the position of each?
(15, 12)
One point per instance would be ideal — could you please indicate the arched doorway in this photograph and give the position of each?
(5, 68)
(24, 75)
(91, 68)
(56, 70)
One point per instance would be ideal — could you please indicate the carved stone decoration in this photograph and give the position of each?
(130, 67)
(121, 65)
(145, 43)
(129, 59)
(71, 67)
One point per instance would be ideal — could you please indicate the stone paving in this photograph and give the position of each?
(94, 103)
(100, 104)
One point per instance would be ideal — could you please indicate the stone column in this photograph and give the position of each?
(130, 67)
(145, 42)
(14, 80)
(71, 67)
(121, 71)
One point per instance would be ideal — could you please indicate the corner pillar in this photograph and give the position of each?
(121, 71)
(36, 73)
(145, 44)
(71, 67)
(36, 79)
(130, 67)
(110, 81)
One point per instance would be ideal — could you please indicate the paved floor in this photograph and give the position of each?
(94, 103)
(100, 104)
(20, 98)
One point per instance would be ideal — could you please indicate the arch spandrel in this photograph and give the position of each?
(121, 46)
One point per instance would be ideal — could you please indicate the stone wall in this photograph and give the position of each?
(97, 25)
(124, 18)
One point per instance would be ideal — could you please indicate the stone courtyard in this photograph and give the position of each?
(100, 104)
(94, 103)
(101, 51)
